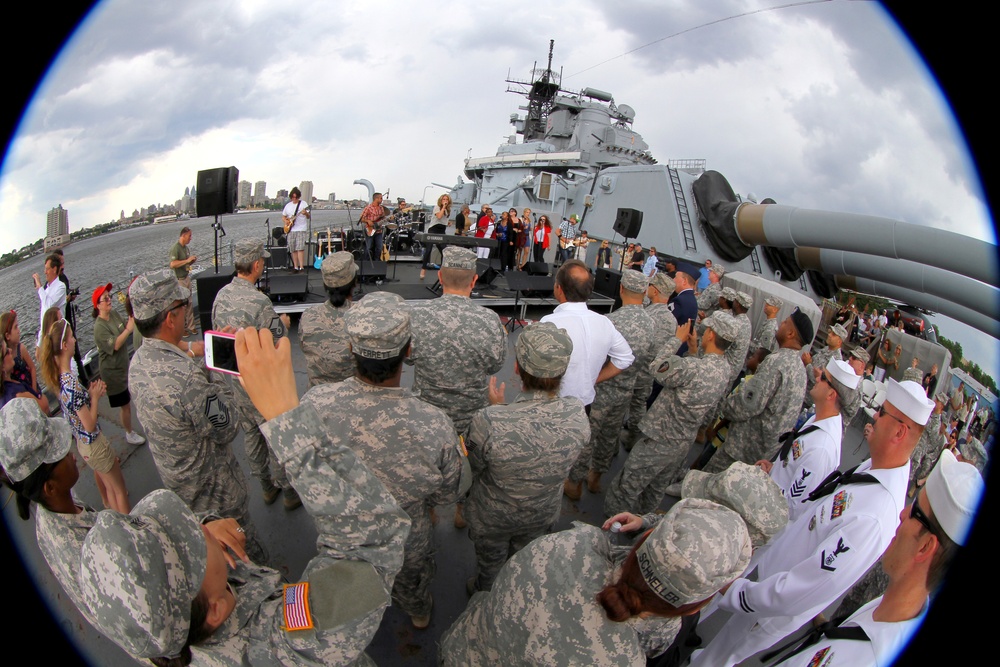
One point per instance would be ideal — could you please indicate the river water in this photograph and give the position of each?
(118, 256)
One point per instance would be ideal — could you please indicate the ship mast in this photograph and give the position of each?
(541, 95)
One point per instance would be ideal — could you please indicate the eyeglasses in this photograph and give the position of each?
(182, 304)
(882, 413)
(918, 514)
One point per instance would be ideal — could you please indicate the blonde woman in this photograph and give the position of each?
(441, 216)
(79, 406)
(524, 242)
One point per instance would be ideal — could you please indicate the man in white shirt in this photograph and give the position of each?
(847, 524)
(600, 352)
(52, 293)
(931, 531)
(650, 268)
(812, 452)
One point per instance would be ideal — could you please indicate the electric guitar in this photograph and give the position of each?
(372, 227)
(318, 263)
(289, 222)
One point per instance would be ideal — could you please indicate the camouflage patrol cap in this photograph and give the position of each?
(663, 282)
(861, 353)
(729, 294)
(748, 491)
(839, 331)
(973, 452)
(153, 292)
(339, 269)
(378, 326)
(745, 299)
(455, 257)
(139, 573)
(635, 281)
(718, 269)
(696, 549)
(543, 350)
(723, 324)
(29, 439)
(941, 397)
(774, 301)
(248, 251)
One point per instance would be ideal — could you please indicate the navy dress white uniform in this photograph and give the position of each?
(818, 556)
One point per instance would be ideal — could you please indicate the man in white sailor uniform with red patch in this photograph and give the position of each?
(808, 455)
(929, 535)
(849, 521)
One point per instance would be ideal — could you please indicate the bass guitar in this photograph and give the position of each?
(318, 263)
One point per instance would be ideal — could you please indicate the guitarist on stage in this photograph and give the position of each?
(296, 217)
(372, 218)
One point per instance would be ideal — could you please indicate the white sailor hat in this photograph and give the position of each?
(909, 398)
(842, 372)
(953, 489)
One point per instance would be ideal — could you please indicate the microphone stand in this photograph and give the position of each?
(361, 274)
(217, 226)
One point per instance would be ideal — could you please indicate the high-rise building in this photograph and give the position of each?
(306, 188)
(259, 189)
(333, 197)
(243, 199)
(57, 221)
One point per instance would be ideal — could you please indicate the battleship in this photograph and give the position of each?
(580, 155)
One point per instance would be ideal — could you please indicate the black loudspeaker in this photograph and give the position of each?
(628, 222)
(487, 270)
(208, 283)
(372, 270)
(278, 258)
(287, 288)
(537, 268)
(217, 190)
(607, 283)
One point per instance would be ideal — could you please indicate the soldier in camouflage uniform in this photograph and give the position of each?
(256, 620)
(692, 385)
(325, 344)
(913, 373)
(544, 606)
(765, 336)
(520, 453)
(613, 396)
(708, 299)
(816, 362)
(857, 360)
(409, 444)
(661, 286)
(736, 354)
(39, 466)
(925, 454)
(768, 404)
(187, 411)
(457, 344)
(240, 304)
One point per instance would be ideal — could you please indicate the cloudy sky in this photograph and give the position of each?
(821, 105)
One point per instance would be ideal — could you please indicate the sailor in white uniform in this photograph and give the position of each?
(812, 452)
(929, 535)
(848, 523)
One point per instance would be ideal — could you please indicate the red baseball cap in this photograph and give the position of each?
(99, 292)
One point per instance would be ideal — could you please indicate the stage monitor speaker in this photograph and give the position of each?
(208, 283)
(487, 270)
(217, 190)
(287, 288)
(607, 283)
(628, 222)
(372, 270)
(537, 268)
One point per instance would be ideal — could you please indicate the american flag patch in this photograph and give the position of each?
(297, 616)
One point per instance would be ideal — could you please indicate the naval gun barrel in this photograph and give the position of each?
(979, 297)
(791, 227)
(930, 302)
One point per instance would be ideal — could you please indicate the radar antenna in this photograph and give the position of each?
(541, 92)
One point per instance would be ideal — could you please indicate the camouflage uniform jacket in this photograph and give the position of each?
(189, 425)
(692, 386)
(925, 454)
(520, 455)
(736, 354)
(766, 335)
(457, 345)
(708, 299)
(241, 304)
(409, 444)
(913, 374)
(636, 326)
(664, 326)
(820, 359)
(766, 406)
(361, 532)
(60, 539)
(325, 344)
(543, 610)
